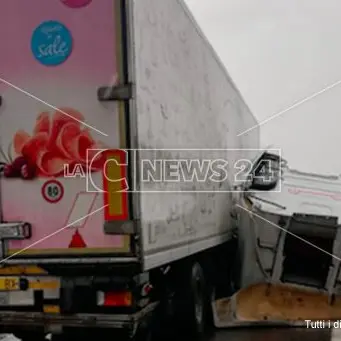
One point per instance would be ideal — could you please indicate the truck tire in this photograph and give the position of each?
(192, 303)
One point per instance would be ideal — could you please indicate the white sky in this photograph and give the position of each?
(277, 53)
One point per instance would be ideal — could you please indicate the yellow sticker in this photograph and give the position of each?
(9, 283)
(51, 309)
(22, 270)
(44, 285)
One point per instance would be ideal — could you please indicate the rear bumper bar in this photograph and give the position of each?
(29, 319)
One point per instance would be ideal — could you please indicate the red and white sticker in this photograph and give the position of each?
(76, 3)
(52, 191)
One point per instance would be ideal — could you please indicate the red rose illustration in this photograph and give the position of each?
(55, 142)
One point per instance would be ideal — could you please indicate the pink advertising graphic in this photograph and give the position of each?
(76, 3)
(56, 142)
(37, 141)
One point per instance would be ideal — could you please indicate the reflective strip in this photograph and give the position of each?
(115, 186)
(51, 309)
(44, 285)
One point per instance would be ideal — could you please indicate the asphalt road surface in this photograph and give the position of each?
(262, 334)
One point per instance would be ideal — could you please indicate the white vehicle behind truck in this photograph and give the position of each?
(88, 243)
(288, 263)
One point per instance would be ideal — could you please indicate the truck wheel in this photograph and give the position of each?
(192, 304)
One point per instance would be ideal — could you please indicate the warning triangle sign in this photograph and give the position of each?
(77, 241)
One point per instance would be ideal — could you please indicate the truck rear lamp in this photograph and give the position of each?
(114, 299)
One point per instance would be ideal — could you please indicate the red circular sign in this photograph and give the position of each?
(76, 3)
(52, 191)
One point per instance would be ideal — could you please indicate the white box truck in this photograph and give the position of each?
(101, 101)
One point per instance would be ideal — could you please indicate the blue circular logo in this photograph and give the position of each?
(51, 43)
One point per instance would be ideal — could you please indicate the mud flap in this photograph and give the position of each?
(282, 305)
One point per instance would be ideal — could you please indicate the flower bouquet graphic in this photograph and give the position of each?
(57, 141)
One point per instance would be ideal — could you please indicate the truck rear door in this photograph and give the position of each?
(54, 130)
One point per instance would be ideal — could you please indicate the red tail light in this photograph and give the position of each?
(114, 299)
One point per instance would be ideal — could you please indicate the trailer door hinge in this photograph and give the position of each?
(119, 227)
(15, 231)
(121, 92)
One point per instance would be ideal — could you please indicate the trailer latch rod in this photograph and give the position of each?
(122, 92)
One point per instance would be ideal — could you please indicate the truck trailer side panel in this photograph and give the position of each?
(185, 100)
